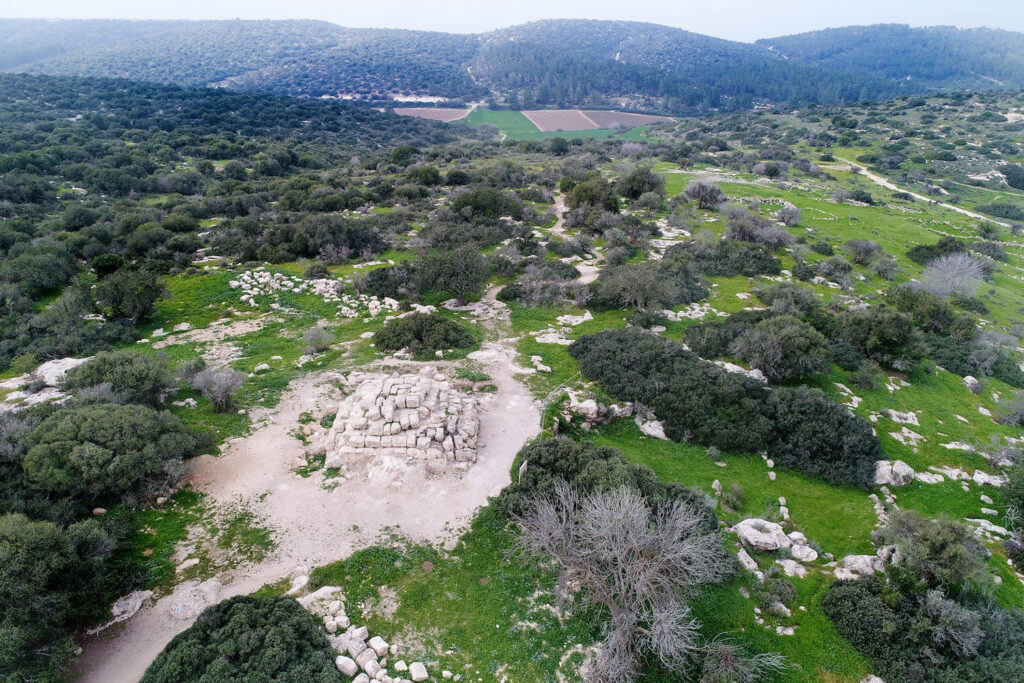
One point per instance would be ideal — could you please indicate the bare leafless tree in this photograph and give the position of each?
(335, 254)
(789, 215)
(636, 562)
(705, 193)
(219, 385)
(317, 339)
(957, 273)
(723, 661)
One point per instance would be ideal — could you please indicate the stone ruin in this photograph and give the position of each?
(404, 418)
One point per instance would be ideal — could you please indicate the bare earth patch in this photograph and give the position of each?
(548, 120)
(434, 114)
(313, 523)
(608, 119)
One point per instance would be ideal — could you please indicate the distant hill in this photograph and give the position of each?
(556, 62)
(930, 58)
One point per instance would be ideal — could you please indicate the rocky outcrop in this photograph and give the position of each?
(50, 374)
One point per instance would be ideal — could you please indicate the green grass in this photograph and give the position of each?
(843, 532)
(478, 612)
(512, 123)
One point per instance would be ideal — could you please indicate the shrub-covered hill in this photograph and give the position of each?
(553, 62)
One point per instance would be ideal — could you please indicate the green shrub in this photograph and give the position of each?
(934, 553)
(726, 258)
(926, 253)
(488, 202)
(715, 339)
(594, 192)
(700, 402)
(639, 181)
(649, 285)
(102, 452)
(883, 335)
(49, 581)
(784, 348)
(462, 273)
(816, 435)
(542, 464)
(251, 639)
(695, 400)
(422, 334)
(132, 376)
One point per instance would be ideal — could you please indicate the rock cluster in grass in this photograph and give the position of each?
(262, 283)
(361, 657)
(411, 417)
(591, 413)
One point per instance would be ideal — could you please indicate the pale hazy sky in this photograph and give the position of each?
(733, 19)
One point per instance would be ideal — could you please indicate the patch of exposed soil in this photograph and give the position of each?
(314, 524)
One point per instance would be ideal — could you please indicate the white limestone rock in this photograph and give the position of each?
(346, 665)
(893, 473)
(762, 534)
(418, 672)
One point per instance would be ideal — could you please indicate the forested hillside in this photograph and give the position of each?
(564, 61)
(924, 58)
(556, 62)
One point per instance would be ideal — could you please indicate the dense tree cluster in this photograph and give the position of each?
(700, 402)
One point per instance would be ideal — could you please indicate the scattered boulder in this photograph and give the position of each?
(856, 566)
(792, 568)
(652, 428)
(986, 478)
(746, 560)
(804, 553)
(418, 672)
(346, 665)
(762, 534)
(893, 473)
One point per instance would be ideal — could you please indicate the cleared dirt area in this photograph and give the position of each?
(316, 520)
(609, 119)
(438, 114)
(548, 120)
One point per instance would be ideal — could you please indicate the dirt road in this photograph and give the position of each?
(879, 180)
(313, 524)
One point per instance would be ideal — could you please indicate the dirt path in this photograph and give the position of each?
(560, 210)
(589, 270)
(879, 180)
(314, 525)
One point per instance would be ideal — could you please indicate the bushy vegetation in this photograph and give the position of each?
(929, 619)
(132, 377)
(544, 464)
(423, 334)
(700, 402)
(726, 258)
(248, 638)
